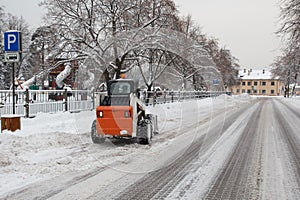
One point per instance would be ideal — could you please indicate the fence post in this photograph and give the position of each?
(65, 96)
(26, 103)
(93, 98)
(154, 98)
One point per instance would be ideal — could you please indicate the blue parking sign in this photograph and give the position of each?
(215, 81)
(12, 41)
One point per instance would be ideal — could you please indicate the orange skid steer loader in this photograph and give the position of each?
(121, 114)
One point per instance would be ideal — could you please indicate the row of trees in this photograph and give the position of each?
(145, 38)
(287, 66)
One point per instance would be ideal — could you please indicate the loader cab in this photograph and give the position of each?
(118, 92)
(120, 87)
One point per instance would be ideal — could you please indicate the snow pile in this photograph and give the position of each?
(62, 122)
(295, 101)
(41, 147)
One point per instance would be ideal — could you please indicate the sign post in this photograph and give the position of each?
(12, 49)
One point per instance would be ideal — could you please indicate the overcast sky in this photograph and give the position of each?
(246, 27)
(28, 9)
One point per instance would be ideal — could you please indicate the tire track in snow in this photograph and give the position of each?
(159, 184)
(289, 134)
(57, 185)
(235, 181)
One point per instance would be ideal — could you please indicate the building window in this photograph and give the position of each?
(243, 83)
(255, 83)
(243, 91)
(272, 92)
(249, 82)
(272, 83)
(255, 91)
(248, 91)
(263, 83)
(238, 91)
(263, 91)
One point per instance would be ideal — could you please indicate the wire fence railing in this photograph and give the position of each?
(30, 102)
(152, 98)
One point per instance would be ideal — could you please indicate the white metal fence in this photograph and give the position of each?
(152, 98)
(30, 102)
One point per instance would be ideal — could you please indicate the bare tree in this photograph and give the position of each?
(116, 36)
(43, 50)
(224, 61)
(86, 26)
(287, 66)
(290, 19)
(3, 68)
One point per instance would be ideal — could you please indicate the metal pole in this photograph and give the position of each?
(27, 103)
(13, 85)
(65, 96)
(93, 97)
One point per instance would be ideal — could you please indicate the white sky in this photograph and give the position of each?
(246, 27)
(28, 9)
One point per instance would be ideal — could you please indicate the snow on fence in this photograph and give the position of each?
(152, 98)
(30, 102)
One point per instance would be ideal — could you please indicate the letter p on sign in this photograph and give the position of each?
(12, 41)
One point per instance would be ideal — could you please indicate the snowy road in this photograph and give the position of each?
(224, 148)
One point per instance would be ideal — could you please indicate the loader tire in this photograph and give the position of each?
(96, 138)
(145, 131)
(153, 120)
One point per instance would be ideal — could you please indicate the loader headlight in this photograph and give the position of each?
(127, 114)
(100, 114)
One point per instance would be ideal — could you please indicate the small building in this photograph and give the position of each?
(258, 82)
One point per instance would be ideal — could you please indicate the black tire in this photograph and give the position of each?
(153, 120)
(145, 131)
(96, 138)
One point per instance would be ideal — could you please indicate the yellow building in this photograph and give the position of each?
(258, 82)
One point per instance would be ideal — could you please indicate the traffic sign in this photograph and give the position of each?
(12, 57)
(12, 41)
(215, 81)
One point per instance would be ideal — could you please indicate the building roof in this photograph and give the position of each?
(255, 74)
